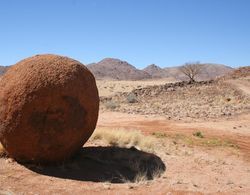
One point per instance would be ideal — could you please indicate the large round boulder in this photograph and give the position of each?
(48, 108)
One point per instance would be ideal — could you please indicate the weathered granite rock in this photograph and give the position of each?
(48, 108)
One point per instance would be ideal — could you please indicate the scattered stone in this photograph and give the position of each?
(184, 100)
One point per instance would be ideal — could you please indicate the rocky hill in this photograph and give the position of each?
(239, 73)
(110, 68)
(182, 100)
(209, 71)
(212, 71)
(156, 71)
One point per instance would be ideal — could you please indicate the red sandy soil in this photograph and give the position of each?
(236, 129)
(190, 170)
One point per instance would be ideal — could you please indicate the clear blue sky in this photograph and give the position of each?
(164, 32)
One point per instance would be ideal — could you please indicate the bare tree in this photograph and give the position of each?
(191, 70)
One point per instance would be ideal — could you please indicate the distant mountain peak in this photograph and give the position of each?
(111, 60)
(117, 69)
(155, 71)
(152, 67)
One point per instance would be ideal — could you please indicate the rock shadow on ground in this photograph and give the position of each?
(106, 164)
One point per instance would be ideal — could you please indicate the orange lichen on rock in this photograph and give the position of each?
(48, 108)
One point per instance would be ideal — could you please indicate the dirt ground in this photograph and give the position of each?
(190, 167)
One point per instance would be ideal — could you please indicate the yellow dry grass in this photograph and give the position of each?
(125, 138)
(110, 87)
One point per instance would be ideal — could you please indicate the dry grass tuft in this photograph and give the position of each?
(141, 178)
(125, 138)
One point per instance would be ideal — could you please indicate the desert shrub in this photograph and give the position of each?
(131, 98)
(125, 138)
(159, 134)
(198, 134)
(111, 105)
(141, 178)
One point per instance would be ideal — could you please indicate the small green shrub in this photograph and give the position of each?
(132, 98)
(198, 134)
(111, 105)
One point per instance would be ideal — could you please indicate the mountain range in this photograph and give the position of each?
(116, 69)
(110, 68)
